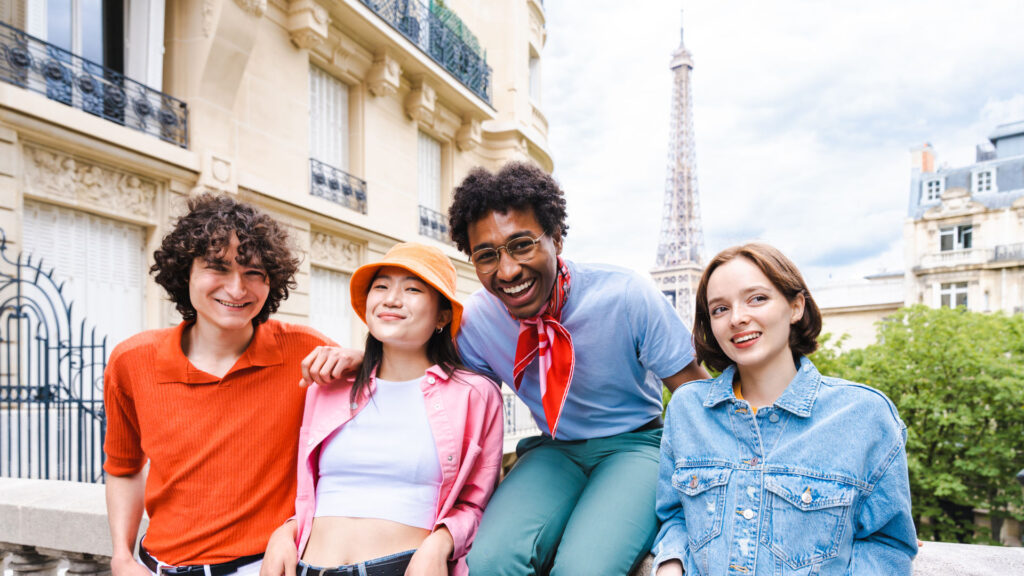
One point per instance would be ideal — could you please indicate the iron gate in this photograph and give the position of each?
(52, 422)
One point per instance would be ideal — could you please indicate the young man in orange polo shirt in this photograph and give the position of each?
(211, 403)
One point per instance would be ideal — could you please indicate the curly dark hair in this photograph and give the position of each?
(784, 275)
(516, 185)
(205, 232)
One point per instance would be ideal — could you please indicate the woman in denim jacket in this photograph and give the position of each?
(772, 468)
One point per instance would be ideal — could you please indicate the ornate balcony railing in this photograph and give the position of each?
(1008, 252)
(434, 225)
(969, 256)
(445, 44)
(36, 65)
(336, 185)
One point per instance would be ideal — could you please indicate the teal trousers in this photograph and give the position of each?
(581, 507)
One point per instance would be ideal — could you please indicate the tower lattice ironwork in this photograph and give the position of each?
(681, 245)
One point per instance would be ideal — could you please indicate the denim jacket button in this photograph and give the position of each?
(806, 498)
(748, 514)
(773, 418)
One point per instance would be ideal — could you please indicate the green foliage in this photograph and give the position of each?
(958, 380)
(450, 19)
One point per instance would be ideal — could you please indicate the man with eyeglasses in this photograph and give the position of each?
(577, 343)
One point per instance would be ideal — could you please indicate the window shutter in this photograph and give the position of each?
(330, 307)
(428, 166)
(328, 119)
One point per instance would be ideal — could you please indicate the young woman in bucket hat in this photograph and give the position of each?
(396, 465)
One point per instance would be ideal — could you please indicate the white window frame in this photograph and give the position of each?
(535, 85)
(983, 181)
(330, 307)
(962, 237)
(329, 119)
(950, 292)
(932, 189)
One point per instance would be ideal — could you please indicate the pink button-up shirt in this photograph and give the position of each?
(465, 416)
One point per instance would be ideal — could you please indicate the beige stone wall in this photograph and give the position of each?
(243, 68)
(858, 324)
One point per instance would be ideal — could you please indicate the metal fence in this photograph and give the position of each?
(444, 44)
(62, 76)
(434, 224)
(338, 186)
(52, 423)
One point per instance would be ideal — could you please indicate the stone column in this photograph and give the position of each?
(28, 561)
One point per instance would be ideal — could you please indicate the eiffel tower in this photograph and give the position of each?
(681, 245)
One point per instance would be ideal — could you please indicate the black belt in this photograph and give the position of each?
(222, 569)
(394, 566)
(652, 425)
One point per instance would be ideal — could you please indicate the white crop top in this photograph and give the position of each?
(383, 463)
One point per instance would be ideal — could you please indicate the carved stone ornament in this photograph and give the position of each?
(420, 103)
(255, 7)
(59, 176)
(469, 135)
(334, 251)
(308, 23)
(385, 76)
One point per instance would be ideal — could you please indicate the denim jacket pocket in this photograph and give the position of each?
(702, 493)
(808, 518)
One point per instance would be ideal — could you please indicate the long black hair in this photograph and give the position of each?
(440, 350)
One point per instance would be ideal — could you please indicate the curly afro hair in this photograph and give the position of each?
(205, 232)
(517, 185)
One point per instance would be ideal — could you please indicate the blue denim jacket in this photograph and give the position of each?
(815, 484)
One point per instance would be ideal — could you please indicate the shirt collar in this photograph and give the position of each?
(798, 397)
(172, 366)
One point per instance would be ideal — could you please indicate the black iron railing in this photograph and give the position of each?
(336, 185)
(52, 422)
(36, 65)
(1008, 252)
(434, 224)
(450, 45)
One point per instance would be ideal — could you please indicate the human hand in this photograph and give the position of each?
(281, 556)
(325, 364)
(127, 566)
(431, 558)
(670, 568)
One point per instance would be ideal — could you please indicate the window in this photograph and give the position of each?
(328, 119)
(101, 261)
(956, 238)
(330, 304)
(983, 181)
(534, 79)
(933, 189)
(428, 171)
(953, 295)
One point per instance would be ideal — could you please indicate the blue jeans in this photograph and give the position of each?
(390, 565)
(572, 507)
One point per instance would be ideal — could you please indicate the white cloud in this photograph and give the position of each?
(804, 115)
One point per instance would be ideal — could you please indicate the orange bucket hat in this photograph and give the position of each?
(426, 262)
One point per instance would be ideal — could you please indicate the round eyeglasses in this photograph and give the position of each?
(522, 248)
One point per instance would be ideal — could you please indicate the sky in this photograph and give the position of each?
(804, 113)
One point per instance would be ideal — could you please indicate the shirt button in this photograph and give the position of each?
(450, 457)
(309, 442)
(748, 514)
(355, 405)
(773, 418)
(431, 379)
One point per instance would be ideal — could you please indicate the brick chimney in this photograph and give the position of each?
(922, 158)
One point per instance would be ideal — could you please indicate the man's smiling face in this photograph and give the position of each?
(523, 287)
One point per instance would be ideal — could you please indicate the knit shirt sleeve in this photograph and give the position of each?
(123, 444)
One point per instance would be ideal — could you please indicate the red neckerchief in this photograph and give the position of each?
(544, 338)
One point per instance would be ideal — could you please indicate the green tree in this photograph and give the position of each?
(958, 382)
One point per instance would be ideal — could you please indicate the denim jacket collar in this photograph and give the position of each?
(798, 397)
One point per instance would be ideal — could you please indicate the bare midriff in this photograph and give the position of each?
(339, 540)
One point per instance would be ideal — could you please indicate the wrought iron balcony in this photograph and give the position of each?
(36, 65)
(446, 40)
(434, 225)
(336, 185)
(1007, 252)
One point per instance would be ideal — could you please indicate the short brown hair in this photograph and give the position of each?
(205, 231)
(784, 276)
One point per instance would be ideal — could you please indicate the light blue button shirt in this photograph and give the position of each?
(814, 484)
(621, 328)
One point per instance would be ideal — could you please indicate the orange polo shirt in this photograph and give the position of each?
(221, 450)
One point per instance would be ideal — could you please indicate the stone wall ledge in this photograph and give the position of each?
(45, 520)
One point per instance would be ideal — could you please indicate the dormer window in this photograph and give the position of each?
(932, 189)
(983, 181)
